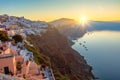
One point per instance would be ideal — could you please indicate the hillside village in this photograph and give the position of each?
(16, 61)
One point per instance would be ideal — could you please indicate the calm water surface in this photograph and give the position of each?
(103, 53)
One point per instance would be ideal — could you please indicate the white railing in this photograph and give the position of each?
(6, 77)
(52, 74)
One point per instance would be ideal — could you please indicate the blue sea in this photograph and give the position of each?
(101, 48)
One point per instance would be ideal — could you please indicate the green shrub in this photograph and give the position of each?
(65, 78)
(3, 36)
(38, 57)
(17, 38)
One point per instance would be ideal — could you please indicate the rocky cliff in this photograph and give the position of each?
(51, 46)
(67, 64)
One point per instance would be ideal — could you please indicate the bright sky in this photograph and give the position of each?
(48, 10)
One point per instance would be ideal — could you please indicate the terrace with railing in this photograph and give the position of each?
(2, 56)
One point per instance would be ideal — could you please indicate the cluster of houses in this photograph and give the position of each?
(15, 59)
(20, 24)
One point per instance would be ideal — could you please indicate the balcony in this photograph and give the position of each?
(2, 56)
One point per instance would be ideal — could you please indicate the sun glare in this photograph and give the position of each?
(83, 20)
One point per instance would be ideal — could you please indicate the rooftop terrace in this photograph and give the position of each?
(2, 56)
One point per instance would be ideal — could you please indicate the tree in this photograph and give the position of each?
(17, 38)
(3, 36)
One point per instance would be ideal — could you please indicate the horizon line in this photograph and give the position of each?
(60, 18)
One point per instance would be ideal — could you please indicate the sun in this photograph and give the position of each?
(83, 20)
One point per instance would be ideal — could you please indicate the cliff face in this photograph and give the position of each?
(52, 48)
(64, 60)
